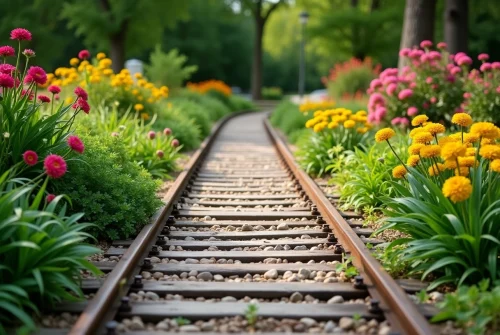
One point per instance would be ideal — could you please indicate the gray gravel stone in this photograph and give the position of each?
(189, 329)
(205, 276)
(271, 274)
(283, 226)
(346, 323)
(336, 300)
(296, 297)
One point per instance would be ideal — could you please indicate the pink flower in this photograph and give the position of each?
(375, 83)
(6, 80)
(167, 131)
(43, 98)
(81, 93)
(84, 54)
(36, 74)
(160, 153)
(498, 89)
(55, 166)
(433, 100)
(486, 91)
(449, 78)
(424, 58)
(483, 57)
(76, 144)
(28, 93)
(82, 105)
(464, 60)
(412, 111)
(396, 121)
(460, 54)
(434, 55)
(56, 97)
(485, 67)
(175, 143)
(49, 198)
(404, 121)
(459, 110)
(391, 88)
(30, 157)
(426, 44)
(415, 53)
(428, 80)
(442, 45)
(7, 51)
(20, 34)
(467, 95)
(404, 52)
(413, 85)
(7, 68)
(405, 94)
(54, 89)
(455, 70)
(29, 53)
(151, 135)
(495, 65)
(425, 105)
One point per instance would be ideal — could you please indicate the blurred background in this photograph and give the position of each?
(233, 40)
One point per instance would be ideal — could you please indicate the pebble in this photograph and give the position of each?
(268, 249)
(205, 276)
(229, 299)
(270, 261)
(305, 237)
(271, 274)
(346, 323)
(193, 273)
(304, 273)
(162, 325)
(296, 297)
(136, 324)
(189, 329)
(283, 226)
(331, 280)
(246, 227)
(384, 330)
(300, 247)
(155, 260)
(146, 275)
(152, 296)
(278, 248)
(329, 326)
(436, 296)
(287, 247)
(192, 261)
(189, 238)
(207, 326)
(293, 278)
(335, 300)
(157, 275)
(309, 322)
(218, 278)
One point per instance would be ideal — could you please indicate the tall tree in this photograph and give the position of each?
(261, 10)
(122, 26)
(418, 23)
(456, 27)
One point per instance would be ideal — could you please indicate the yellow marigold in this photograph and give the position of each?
(447, 139)
(414, 149)
(316, 113)
(423, 137)
(486, 141)
(101, 55)
(495, 165)
(145, 116)
(107, 72)
(468, 161)
(413, 160)
(349, 124)
(470, 152)
(138, 107)
(419, 119)
(105, 63)
(434, 128)
(490, 151)
(319, 127)
(362, 130)
(453, 150)
(470, 138)
(309, 124)
(74, 61)
(399, 171)
(450, 164)
(462, 119)
(457, 188)
(485, 130)
(333, 125)
(462, 171)
(430, 151)
(362, 113)
(434, 169)
(457, 136)
(384, 134)
(415, 131)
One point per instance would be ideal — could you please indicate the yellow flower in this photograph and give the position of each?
(74, 61)
(457, 188)
(145, 116)
(362, 113)
(138, 75)
(462, 171)
(138, 107)
(486, 141)
(490, 151)
(434, 128)
(319, 127)
(415, 131)
(470, 152)
(462, 119)
(362, 130)
(384, 134)
(414, 149)
(333, 125)
(430, 151)
(485, 130)
(468, 161)
(309, 123)
(495, 165)
(399, 171)
(413, 160)
(453, 150)
(470, 138)
(95, 79)
(423, 137)
(349, 124)
(101, 55)
(419, 119)
(447, 139)
(105, 63)
(107, 72)
(450, 164)
(434, 169)
(68, 100)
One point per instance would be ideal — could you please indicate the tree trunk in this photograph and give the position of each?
(117, 52)
(418, 24)
(456, 25)
(257, 59)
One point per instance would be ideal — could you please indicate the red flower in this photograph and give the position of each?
(7, 68)
(54, 89)
(43, 98)
(36, 74)
(20, 34)
(6, 80)
(84, 54)
(55, 166)
(82, 104)
(50, 197)
(30, 157)
(151, 135)
(29, 53)
(81, 93)
(29, 93)
(76, 144)
(7, 51)
(167, 131)
(160, 153)
(175, 143)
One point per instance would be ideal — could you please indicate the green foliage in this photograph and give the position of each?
(251, 314)
(42, 252)
(194, 111)
(183, 127)
(288, 118)
(115, 193)
(181, 321)
(346, 266)
(272, 93)
(240, 103)
(168, 68)
(351, 78)
(213, 107)
(474, 309)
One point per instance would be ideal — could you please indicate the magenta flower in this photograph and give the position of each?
(36, 74)
(82, 105)
(81, 93)
(167, 131)
(76, 144)
(160, 153)
(7, 69)
(464, 60)
(55, 166)
(405, 94)
(49, 198)
(404, 52)
(6, 80)
(84, 54)
(29, 53)
(175, 143)
(43, 98)
(425, 44)
(30, 157)
(455, 70)
(391, 88)
(483, 57)
(7, 51)
(495, 65)
(151, 135)
(442, 45)
(485, 67)
(20, 34)
(54, 89)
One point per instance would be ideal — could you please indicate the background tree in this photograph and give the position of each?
(122, 27)
(456, 27)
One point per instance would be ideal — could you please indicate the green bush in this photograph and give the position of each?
(215, 108)
(272, 93)
(315, 154)
(194, 111)
(241, 104)
(351, 78)
(42, 253)
(168, 69)
(183, 128)
(288, 118)
(114, 193)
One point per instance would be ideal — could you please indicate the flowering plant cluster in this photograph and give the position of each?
(350, 79)
(210, 85)
(448, 201)
(310, 106)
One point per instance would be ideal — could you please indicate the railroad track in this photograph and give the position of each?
(244, 226)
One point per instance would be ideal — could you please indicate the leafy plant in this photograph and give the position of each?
(287, 117)
(213, 107)
(346, 266)
(422, 296)
(272, 93)
(169, 68)
(251, 314)
(42, 252)
(181, 321)
(115, 193)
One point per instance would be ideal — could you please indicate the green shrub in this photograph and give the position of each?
(240, 103)
(194, 111)
(114, 193)
(272, 93)
(183, 128)
(168, 69)
(42, 253)
(215, 108)
(287, 117)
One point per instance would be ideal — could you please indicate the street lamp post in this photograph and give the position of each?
(304, 16)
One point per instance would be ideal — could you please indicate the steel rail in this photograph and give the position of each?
(104, 305)
(398, 309)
